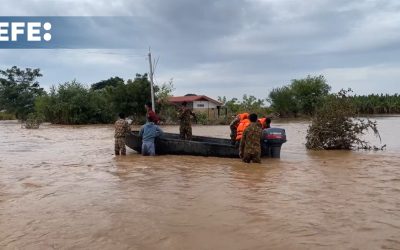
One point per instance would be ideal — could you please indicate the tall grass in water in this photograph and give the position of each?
(6, 116)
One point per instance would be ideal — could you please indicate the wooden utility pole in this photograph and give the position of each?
(151, 82)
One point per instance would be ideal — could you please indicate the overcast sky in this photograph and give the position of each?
(229, 47)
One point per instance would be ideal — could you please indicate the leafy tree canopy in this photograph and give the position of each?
(301, 96)
(18, 90)
(112, 82)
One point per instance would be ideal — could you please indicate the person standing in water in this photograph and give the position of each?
(250, 143)
(149, 132)
(185, 125)
(121, 130)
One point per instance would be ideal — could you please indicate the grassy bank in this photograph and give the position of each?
(6, 116)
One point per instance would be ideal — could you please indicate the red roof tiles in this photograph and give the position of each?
(179, 99)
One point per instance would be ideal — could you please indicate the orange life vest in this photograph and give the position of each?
(262, 122)
(241, 118)
(240, 129)
(244, 116)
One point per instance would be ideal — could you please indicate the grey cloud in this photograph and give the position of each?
(231, 47)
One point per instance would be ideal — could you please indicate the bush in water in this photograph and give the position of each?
(335, 125)
(33, 121)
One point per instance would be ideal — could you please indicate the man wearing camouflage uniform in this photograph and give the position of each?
(121, 130)
(250, 144)
(185, 126)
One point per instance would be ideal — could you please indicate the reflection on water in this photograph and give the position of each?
(61, 187)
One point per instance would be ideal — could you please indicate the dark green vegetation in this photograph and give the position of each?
(6, 116)
(300, 97)
(335, 125)
(247, 104)
(72, 102)
(18, 91)
(112, 82)
(75, 103)
(377, 104)
(303, 97)
(33, 121)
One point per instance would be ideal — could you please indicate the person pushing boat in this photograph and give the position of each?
(149, 132)
(185, 125)
(250, 143)
(121, 130)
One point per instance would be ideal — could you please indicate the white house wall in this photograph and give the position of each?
(203, 105)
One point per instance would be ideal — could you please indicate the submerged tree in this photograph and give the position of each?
(309, 93)
(76, 103)
(282, 101)
(33, 121)
(335, 125)
(73, 103)
(18, 90)
(302, 96)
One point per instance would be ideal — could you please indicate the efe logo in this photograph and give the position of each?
(31, 31)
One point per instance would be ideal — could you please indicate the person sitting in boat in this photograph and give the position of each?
(265, 122)
(234, 125)
(250, 143)
(185, 125)
(243, 124)
(149, 132)
(150, 113)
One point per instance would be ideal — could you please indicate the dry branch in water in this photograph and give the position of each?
(335, 125)
(33, 121)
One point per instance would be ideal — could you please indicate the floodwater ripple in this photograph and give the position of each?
(61, 187)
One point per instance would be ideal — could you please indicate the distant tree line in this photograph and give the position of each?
(301, 97)
(304, 96)
(247, 104)
(377, 104)
(75, 103)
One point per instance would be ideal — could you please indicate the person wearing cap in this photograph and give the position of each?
(150, 113)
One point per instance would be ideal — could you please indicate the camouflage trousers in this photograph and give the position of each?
(119, 146)
(256, 158)
(185, 132)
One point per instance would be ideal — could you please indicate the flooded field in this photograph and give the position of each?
(62, 188)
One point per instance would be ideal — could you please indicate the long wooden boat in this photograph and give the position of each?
(170, 143)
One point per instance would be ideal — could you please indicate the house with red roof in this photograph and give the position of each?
(199, 103)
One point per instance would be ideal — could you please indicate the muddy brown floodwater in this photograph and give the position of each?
(61, 188)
